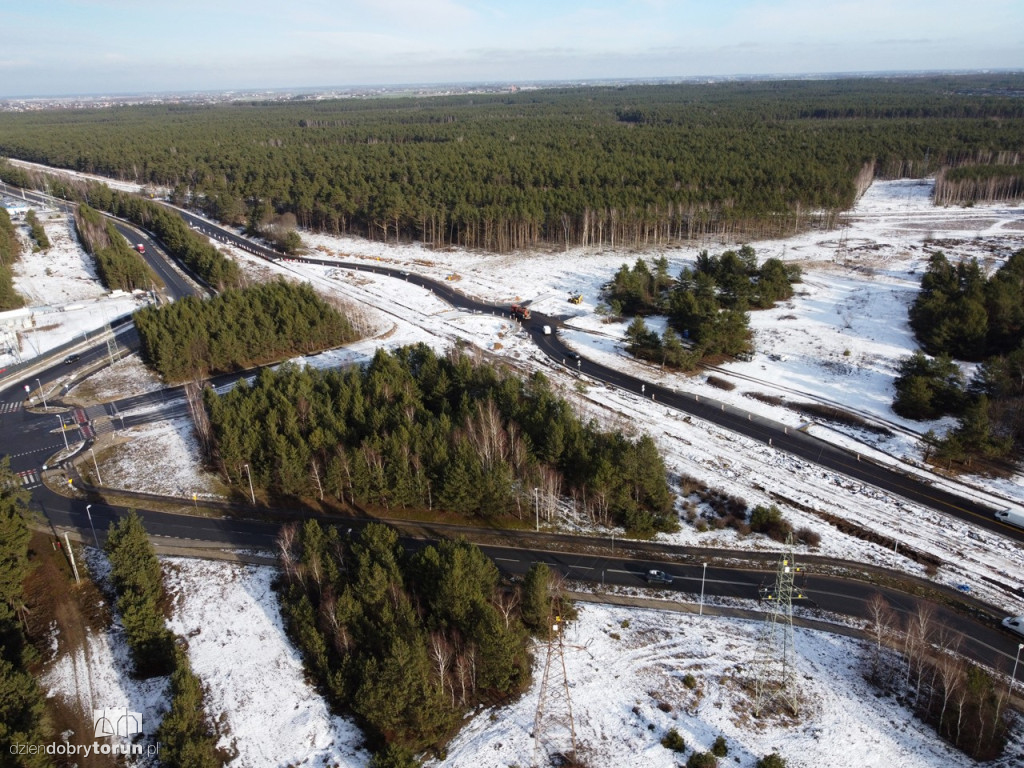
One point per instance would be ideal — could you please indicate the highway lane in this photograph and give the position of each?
(766, 431)
(980, 640)
(239, 533)
(176, 286)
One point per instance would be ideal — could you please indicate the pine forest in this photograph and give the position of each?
(607, 166)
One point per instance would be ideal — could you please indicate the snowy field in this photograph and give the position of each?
(837, 341)
(626, 669)
(237, 646)
(64, 299)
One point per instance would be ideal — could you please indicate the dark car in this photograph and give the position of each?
(658, 577)
(70, 359)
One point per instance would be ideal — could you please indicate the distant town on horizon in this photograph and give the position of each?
(26, 102)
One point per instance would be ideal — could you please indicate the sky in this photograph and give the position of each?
(69, 47)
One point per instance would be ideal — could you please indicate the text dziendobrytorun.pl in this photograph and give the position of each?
(85, 750)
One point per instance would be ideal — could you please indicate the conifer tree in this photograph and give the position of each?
(185, 736)
(136, 577)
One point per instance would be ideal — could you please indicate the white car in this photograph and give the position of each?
(1015, 624)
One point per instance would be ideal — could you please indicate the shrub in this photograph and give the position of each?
(394, 756)
(769, 520)
(809, 537)
(774, 760)
(719, 383)
(702, 760)
(720, 748)
(689, 681)
(672, 740)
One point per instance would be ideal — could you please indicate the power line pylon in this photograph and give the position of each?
(775, 656)
(113, 349)
(554, 731)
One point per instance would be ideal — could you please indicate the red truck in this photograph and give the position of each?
(520, 311)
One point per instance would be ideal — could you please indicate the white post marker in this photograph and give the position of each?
(252, 493)
(1013, 677)
(702, 577)
(99, 480)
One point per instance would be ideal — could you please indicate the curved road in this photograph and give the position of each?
(750, 425)
(981, 640)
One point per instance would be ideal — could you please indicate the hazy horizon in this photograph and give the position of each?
(497, 84)
(66, 48)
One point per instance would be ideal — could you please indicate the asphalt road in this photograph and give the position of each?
(978, 637)
(764, 430)
(29, 435)
(176, 286)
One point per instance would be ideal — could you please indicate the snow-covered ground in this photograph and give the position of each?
(626, 668)
(64, 299)
(97, 674)
(838, 341)
(253, 675)
(229, 617)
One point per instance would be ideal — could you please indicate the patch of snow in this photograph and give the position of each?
(252, 674)
(98, 675)
(160, 457)
(63, 295)
(126, 377)
(621, 663)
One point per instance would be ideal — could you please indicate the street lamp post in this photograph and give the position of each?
(63, 433)
(252, 493)
(703, 576)
(1013, 677)
(42, 394)
(99, 480)
(88, 513)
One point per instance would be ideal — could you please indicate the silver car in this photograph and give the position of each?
(1015, 624)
